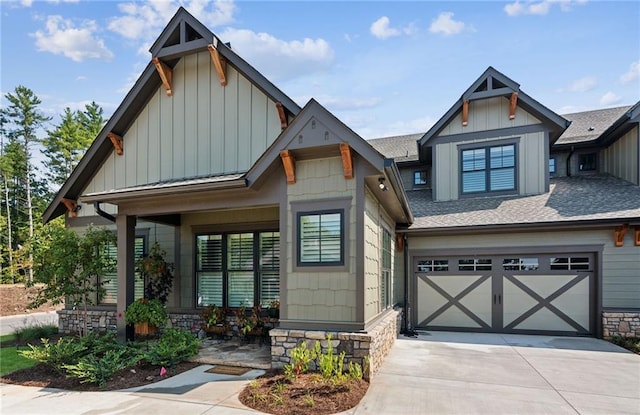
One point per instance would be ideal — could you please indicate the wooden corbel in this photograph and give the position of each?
(118, 143)
(289, 163)
(513, 102)
(282, 115)
(72, 207)
(465, 112)
(399, 242)
(166, 75)
(636, 236)
(347, 160)
(219, 62)
(618, 235)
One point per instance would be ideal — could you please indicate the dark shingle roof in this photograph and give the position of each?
(569, 199)
(398, 147)
(589, 125)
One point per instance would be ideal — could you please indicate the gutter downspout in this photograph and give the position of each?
(573, 149)
(407, 306)
(99, 211)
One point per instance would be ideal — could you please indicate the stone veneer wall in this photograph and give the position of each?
(621, 324)
(374, 343)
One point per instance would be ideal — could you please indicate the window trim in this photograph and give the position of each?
(320, 263)
(388, 295)
(426, 178)
(331, 204)
(487, 145)
(225, 270)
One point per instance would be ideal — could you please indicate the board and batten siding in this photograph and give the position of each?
(620, 265)
(485, 115)
(531, 166)
(621, 158)
(375, 220)
(204, 129)
(319, 295)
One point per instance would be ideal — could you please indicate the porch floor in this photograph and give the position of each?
(234, 353)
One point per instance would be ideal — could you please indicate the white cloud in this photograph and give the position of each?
(584, 84)
(81, 78)
(26, 3)
(610, 98)
(445, 24)
(62, 37)
(340, 103)
(62, 1)
(144, 21)
(278, 58)
(539, 8)
(632, 74)
(381, 29)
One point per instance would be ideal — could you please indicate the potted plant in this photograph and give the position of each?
(146, 315)
(274, 309)
(215, 319)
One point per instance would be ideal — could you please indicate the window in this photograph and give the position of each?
(474, 264)
(385, 271)
(570, 263)
(520, 264)
(488, 169)
(433, 265)
(234, 269)
(420, 178)
(320, 238)
(587, 162)
(109, 280)
(552, 165)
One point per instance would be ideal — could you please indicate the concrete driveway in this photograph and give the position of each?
(9, 324)
(458, 373)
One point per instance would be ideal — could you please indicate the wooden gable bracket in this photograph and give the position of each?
(465, 112)
(513, 102)
(399, 242)
(166, 75)
(72, 207)
(282, 115)
(636, 236)
(219, 62)
(618, 235)
(289, 163)
(118, 143)
(347, 160)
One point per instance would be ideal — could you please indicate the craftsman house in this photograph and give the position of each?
(504, 216)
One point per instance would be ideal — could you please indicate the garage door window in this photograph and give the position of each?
(433, 265)
(570, 263)
(520, 264)
(474, 264)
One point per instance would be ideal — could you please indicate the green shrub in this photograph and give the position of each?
(301, 356)
(99, 369)
(329, 364)
(34, 332)
(174, 346)
(67, 350)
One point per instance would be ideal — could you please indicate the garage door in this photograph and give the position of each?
(544, 294)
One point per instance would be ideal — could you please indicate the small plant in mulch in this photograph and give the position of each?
(629, 343)
(297, 390)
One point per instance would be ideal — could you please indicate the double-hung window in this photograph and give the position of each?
(235, 269)
(320, 238)
(488, 169)
(385, 270)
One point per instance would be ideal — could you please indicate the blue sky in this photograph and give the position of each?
(384, 68)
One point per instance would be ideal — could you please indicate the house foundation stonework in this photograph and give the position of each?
(620, 324)
(101, 321)
(374, 344)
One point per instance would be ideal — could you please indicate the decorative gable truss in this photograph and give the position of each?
(491, 84)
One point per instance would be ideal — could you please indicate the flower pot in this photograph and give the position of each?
(217, 329)
(144, 329)
(273, 312)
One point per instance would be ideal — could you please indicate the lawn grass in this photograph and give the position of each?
(10, 360)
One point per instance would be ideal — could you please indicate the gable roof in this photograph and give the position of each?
(494, 84)
(401, 148)
(337, 132)
(183, 35)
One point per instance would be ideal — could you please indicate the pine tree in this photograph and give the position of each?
(23, 118)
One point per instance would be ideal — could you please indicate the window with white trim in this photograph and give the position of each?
(320, 238)
(488, 169)
(235, 269)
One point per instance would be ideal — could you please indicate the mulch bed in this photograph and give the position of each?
(309, 394)
(43, 376)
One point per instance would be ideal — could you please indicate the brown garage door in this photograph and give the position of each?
(543, 294)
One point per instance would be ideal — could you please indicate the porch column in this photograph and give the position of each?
(126, 226)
